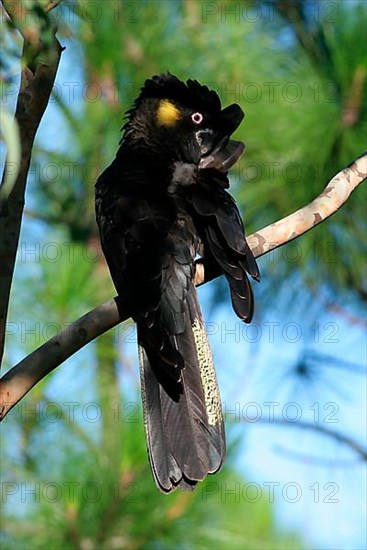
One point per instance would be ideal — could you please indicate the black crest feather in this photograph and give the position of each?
(168, 86)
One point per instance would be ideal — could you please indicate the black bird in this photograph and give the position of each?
(160, 204)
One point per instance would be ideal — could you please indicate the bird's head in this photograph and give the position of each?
(183, 122)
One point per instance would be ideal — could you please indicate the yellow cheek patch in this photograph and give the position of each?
(167, 113)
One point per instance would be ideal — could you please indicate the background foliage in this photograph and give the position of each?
(298, 69)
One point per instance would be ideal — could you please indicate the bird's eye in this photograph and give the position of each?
(197, 118)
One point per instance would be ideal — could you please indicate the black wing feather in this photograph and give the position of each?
(223, 235)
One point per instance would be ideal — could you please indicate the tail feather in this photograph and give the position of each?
(184, 425)
(163, 464)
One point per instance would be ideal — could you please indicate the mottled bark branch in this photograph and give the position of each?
(335, 194)
(40, 62)
(20, 379)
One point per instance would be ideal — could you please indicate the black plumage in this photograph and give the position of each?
(161, 202)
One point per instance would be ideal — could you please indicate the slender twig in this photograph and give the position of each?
(315, 460)
(20, 379)
(333, 434)
(28, 22)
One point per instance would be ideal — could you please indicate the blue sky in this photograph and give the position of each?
(329, 481)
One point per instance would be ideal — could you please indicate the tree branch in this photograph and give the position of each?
(20, 379)
(51, 4)
(40, 60)
(335, 194)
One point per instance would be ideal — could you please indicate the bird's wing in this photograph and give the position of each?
(222, 232)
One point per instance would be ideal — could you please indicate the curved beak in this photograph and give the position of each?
(224, 153)
(230, 118)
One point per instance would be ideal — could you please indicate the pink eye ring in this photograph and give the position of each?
(197, 118)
